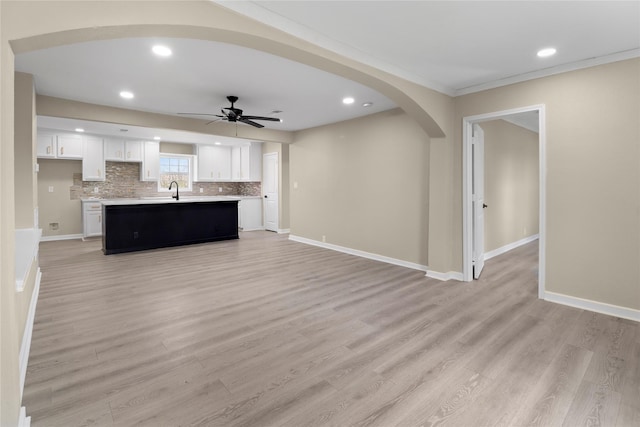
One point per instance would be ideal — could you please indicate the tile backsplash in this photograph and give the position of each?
(123, 181)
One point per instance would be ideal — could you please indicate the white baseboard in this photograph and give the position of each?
(253, 229)
(61, 237)
(598, 307)
(25, 346)
(451, 275)
(359, 253)
(510, 246)
(24, 421)
(284, 230)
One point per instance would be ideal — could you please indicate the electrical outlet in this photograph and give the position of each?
(324, 239)
(201, 189)
(295, 185)
(219, 189)
(95, 189)
(53, 226)
(51, 189)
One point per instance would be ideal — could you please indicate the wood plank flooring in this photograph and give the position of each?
(263, 331)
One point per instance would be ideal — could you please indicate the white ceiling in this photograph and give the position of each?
(459, 47)
(453, 47)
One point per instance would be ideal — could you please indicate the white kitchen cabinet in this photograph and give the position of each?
(240, 163)
(122, 150)
(93, 159)
(133, 151)
(70, 146)
(150, 167)
(214, 163)
(51, 145)
(91, 218)
(255, 161)
(46, 145)
(114, 149)
(250, 214)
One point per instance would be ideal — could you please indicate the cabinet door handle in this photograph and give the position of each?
(49, 149)
(99, 218)
(61, 150)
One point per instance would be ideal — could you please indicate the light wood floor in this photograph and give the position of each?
(263, 331)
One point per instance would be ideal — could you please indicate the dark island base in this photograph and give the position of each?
(128, 228)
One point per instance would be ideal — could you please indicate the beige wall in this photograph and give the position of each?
(175, 148)
(10, 334)
(511, 183)
(25, 151)
(593, 177)
(58, 207)
(364, 184)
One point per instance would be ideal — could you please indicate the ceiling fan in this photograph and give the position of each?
(233, 114)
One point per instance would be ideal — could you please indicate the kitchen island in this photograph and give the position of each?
(150, 223)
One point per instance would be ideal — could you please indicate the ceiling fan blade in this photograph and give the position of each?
(216, 120)
(270, 119)
(198, 114)
(249, 122)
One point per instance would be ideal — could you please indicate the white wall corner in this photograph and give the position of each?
(25, 346)
(595, 306)
(451, 275)
(362, 254)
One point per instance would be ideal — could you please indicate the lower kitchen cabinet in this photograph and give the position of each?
(250, 214)
(91, 218)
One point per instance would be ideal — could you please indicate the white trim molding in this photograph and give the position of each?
(589, 305)
(467, 220)
(506, 248)
(283, 230)
(23, 420)
(362, 254)
(61, 237)
(451, 275)
(25, 346)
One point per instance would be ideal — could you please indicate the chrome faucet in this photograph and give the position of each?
(177, 196)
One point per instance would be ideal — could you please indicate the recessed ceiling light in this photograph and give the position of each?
(161, 50)
(79, 130)
(126, 94)
(218, 143)
(547, 51)
(367, 104)
(157, 138)
(348, 100)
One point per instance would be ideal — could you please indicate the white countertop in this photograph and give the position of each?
(166, 200)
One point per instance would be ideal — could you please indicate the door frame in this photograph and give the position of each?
(265, 156)
(467, 214)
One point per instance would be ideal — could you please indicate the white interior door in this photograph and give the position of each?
(270, 190)
(477, 155)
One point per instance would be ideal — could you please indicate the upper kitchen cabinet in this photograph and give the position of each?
(93, 159)
(214, 163)
(70, 146)
(46, 145)
(240, 163)
(59, 146)
(255, 161)
(150, 167)
(121, 150)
